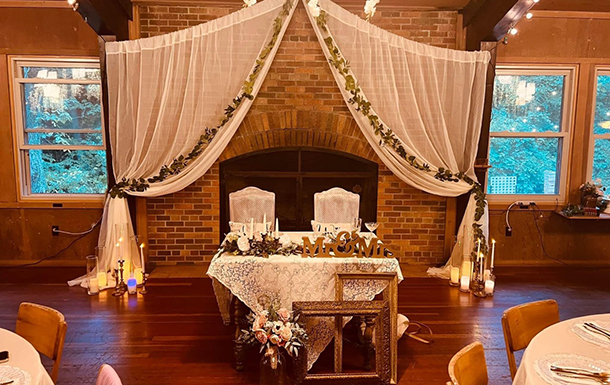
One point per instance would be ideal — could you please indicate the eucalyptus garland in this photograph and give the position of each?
(388, 138)
(120, 189)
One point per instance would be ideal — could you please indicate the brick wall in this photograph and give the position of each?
(298, 105)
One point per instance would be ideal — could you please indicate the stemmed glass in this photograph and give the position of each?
(372, 226)
(357, 224)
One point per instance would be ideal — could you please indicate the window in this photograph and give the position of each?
(529, 134)
(600, 161)
(58, 123)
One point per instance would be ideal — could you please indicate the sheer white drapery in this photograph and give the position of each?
(164, 91)
(431, 98)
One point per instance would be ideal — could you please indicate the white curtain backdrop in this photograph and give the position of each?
(164, 91)
(431, 98)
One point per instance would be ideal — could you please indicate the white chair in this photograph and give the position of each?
(108, 376)
(251, 202)
(336, 206)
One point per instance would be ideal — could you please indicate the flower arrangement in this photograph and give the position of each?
(260, 245)
(275, 328)
(593, 189)
(592, 200)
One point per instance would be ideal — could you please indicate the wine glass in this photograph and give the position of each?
(372, 226)
(357, 224)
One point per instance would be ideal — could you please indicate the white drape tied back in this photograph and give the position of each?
(431, 98)
(164, 91)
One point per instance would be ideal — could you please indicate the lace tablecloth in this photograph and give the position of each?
(293, 279)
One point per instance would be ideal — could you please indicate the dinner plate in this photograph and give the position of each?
(19, 376)
(543, 368)
(579, 329)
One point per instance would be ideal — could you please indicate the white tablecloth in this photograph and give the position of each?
(23, 356)
(558, 338)
(293, 278)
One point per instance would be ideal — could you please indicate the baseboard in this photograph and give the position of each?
(50, 263)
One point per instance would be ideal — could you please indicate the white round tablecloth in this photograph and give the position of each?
(22, 355)
(558, 339)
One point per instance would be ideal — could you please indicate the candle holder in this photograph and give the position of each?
(143, 291)
(120, 287)
(490, 284)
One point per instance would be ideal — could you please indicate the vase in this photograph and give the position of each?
(273, 367)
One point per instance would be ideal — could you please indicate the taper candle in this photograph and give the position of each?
(265, 222)
(142, 257)
(277, 228)
(493, 252)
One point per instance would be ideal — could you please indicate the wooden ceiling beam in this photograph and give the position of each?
(107, 17)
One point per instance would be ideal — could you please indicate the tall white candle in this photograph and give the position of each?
(493, 252)
(142, 257)
(455, 274)
(265, 222)
(482, 264)
(277, 228)
(478, 246)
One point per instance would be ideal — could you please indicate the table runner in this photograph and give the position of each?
(293, 278)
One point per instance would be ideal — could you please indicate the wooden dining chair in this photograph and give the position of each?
(521, 323)
(108, 376)
(45, 329)
(468, 366)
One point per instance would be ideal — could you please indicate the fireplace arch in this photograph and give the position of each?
(294, 174)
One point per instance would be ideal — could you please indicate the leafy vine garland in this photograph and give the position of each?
(388, 138)
(119, 190)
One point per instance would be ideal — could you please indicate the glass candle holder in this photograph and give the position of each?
(132, 285)
(92, 281)
(490, 285)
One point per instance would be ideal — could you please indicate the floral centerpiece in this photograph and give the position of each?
(260, 245)
(592, 200)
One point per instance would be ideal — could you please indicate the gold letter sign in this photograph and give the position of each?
(346, 246)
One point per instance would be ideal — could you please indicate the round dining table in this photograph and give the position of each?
(560, 339)
(22, 358)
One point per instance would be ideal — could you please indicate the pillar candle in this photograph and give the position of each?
(455, 274)
(465, 283)
(131, 285)
(489, 286)
(138, 274)
(487, 274)
(94, 286)
(466, 268)
(102, 279)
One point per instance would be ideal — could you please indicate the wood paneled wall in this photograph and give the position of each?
(574, 38)
(25, 227)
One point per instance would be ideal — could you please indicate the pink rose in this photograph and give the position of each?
(284, 314)
(261, 336)
(260, 321)
(275, 339)
(286, 333)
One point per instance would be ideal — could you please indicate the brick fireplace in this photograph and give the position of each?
(299, 105)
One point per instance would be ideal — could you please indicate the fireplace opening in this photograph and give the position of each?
(295, 174)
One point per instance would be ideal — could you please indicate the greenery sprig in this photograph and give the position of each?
(120, 189)
(388, 138)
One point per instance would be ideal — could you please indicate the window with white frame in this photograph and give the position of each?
(529, 133)
(599, 166)
(58, 124)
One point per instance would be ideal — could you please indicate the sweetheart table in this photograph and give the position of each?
(292, 278)
(24, 365)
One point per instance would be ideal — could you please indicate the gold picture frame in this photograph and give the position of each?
(377, 310)
(390, 294)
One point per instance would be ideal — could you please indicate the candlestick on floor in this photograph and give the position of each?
(144, 279)
(121, 287)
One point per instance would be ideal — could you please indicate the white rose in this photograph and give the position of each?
(285, 241)
(249, 3)
(243, 244)
(314, 8)
(286, 333)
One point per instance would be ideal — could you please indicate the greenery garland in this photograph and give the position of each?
(120, 189)
(388, 138)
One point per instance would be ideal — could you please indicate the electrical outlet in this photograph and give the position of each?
(55, 230)
(523, 206)
(509, 232)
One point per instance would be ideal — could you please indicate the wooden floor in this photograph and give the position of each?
(174, 335)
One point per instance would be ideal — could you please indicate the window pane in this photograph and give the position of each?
(67, 172)
(602, 106)
(61, 73)
(64, 139)
(527, 103)
(601, 161)
(524, 166)
(62, 106)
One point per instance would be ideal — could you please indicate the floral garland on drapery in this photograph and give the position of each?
(388, 138)
(181, 162)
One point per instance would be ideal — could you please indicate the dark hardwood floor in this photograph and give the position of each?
(175, 335)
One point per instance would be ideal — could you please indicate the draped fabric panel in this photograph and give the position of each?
(164, 91)
(431, 98)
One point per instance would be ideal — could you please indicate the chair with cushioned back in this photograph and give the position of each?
(336, 206)
(468, 366)
(252, 203)
(108, 376)
(521, 323)
(45, 329)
